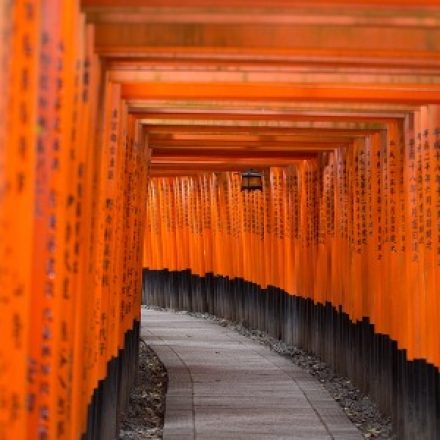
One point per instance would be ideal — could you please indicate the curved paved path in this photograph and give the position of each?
(224, 386)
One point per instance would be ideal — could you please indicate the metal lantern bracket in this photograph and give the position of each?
(252, 180)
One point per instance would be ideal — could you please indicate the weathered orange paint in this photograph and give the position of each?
(412, 94)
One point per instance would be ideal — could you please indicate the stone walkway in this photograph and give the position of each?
(224, 386)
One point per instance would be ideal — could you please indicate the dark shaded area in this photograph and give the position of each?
(111, 396)
(409, 391)
(144, 417)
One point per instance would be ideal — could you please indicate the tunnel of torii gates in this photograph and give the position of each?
(124, 127)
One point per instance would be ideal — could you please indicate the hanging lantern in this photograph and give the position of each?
(251, 180)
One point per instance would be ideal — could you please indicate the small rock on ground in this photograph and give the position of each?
(144, 417)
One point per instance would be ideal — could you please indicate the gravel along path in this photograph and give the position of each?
(145, 414)
(359, 408)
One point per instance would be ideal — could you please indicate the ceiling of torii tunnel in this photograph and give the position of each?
(232, 84)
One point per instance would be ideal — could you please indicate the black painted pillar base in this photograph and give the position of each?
(112, 394)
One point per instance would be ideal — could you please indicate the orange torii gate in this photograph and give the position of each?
(338, 106)
(73, 186)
